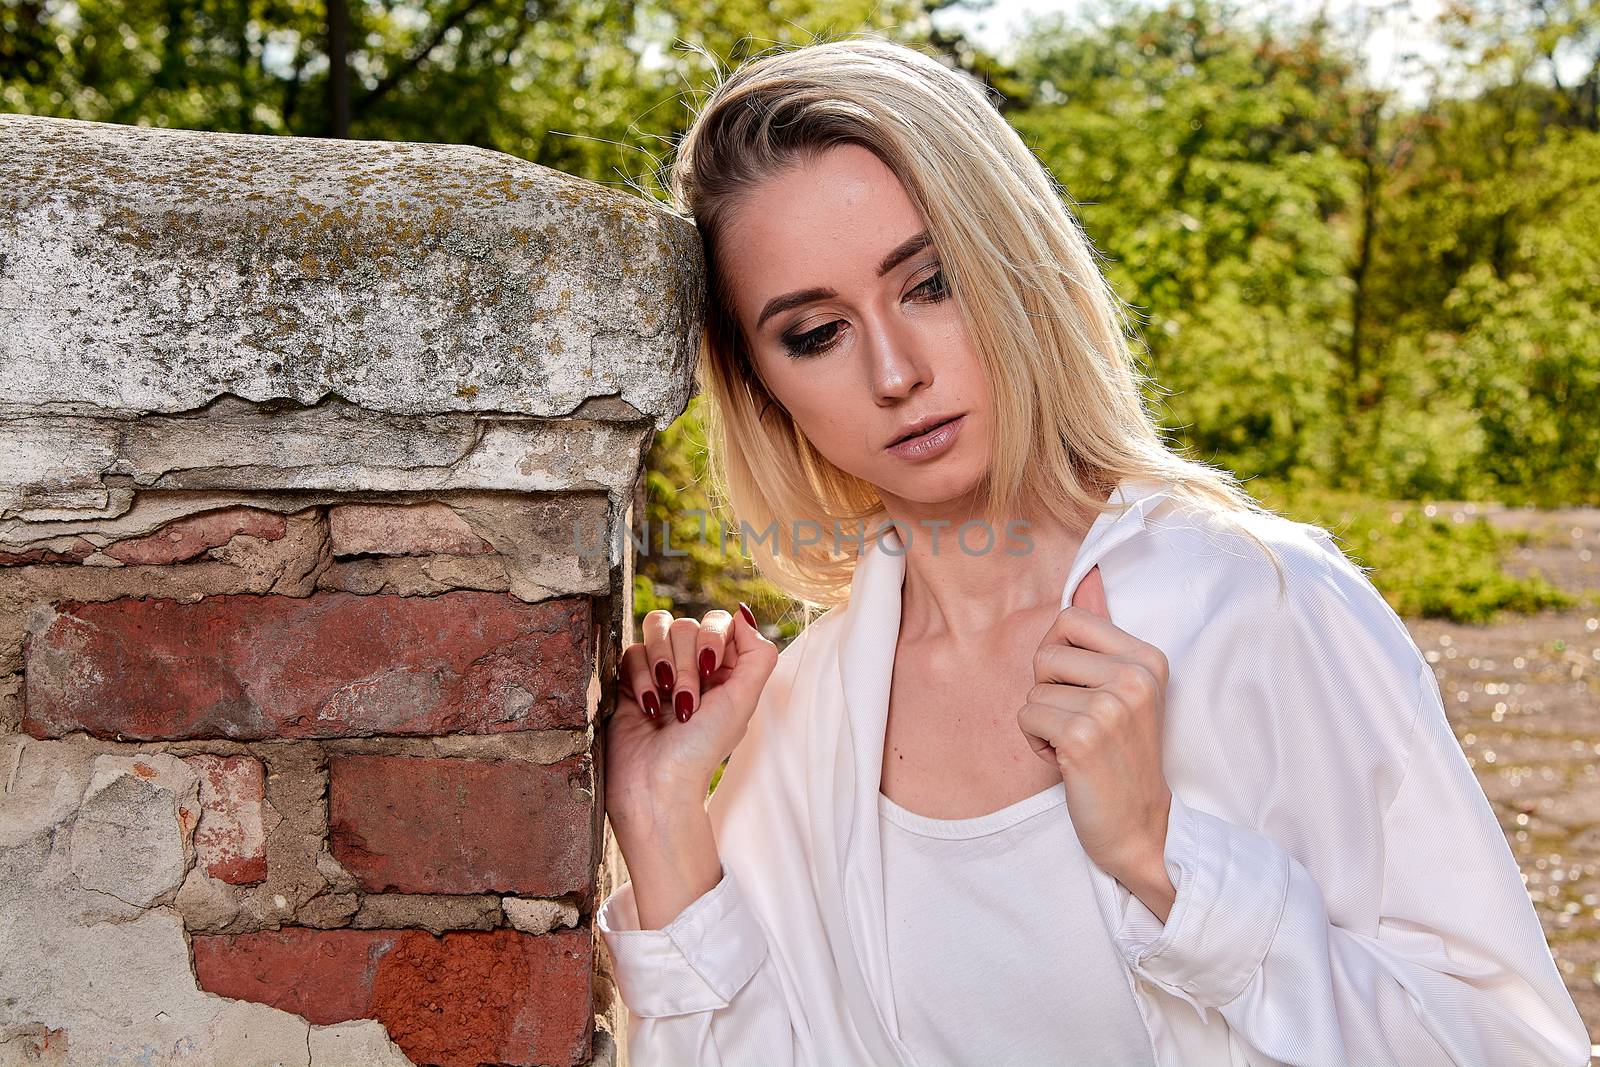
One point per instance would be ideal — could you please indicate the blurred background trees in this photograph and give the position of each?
(1351, 299)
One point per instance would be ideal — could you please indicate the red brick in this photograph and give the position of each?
(402, 530)
(459, 1000)
(334, 664)
(191, 535)
(405, 824)
(231, 840)
(324, 975)
(76, 550)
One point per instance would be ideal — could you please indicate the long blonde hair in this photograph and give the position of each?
(1070, 422)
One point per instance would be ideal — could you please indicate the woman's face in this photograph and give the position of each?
(859, 340)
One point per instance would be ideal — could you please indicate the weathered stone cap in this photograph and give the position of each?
(153, 270)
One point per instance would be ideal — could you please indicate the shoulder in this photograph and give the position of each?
(1244, 551)
(1279, 605)
(1265, 569)
(1314, 680)
(1323, 641)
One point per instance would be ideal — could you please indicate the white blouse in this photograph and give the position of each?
(1345, 896)
(997, 954)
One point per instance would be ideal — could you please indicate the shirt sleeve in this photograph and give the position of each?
(703, 989)
(1458, 971)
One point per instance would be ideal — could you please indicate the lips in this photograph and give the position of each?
(922, 427)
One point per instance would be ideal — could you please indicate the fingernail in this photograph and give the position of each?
(664, 674)
(684, 702)
(708, 661)
(749, 616)
(652, 705)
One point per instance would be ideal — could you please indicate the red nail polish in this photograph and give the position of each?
(652, 704)
(749, 616)
(708, 661)
(664, 674)
(684, 702)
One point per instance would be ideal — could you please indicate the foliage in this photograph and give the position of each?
(1427, 560)
(1328, 286)
(1207, 171)
(1336, 292)
(570, 84)
(690, 560)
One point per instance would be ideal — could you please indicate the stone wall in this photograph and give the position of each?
(317, 459)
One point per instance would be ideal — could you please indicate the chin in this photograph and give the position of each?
(938, 487)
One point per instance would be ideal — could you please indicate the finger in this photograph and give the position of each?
(1100, 704)
(1039, 723)
(1077, 625)
(634, 675)
(1095, 623)
(1091, 684)
(1075, 737)
(711, 641)
(658, 647)
(730, 648)
(1069, 665)
(686, 683)
(1082, 628)
(756, 659)
(1091, 593)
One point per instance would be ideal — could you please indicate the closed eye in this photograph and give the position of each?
(815, 342)
(937, 292)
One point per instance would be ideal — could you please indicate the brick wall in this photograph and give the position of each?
(314, 462)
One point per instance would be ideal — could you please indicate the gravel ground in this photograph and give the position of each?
(1523, 696)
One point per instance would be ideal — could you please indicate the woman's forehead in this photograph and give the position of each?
(828, 223)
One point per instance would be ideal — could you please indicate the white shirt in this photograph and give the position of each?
(997, 954)
(1345, 894)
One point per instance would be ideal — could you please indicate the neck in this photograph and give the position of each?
(959, 593)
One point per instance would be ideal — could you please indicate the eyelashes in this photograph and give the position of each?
(815, 342)
(809, 344)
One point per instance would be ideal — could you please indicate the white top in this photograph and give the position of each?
(997, 953)
(1344, 892)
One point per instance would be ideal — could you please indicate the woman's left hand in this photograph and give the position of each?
(1095, 711)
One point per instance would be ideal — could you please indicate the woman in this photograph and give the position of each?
(1196, 803)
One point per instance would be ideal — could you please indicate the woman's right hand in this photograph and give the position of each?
(685, 695)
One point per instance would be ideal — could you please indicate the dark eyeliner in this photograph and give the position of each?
(942, 289)
(810, 343)
(805, 344)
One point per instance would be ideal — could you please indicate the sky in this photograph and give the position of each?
(1395, 29)
(994, 28)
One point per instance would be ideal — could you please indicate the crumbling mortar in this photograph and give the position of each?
(290, 503)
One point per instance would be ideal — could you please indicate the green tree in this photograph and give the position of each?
(1202, 156)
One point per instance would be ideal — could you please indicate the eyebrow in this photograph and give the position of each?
(902, 252)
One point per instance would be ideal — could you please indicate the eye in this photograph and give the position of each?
(936, 292)
(815, 342)
(809, 344)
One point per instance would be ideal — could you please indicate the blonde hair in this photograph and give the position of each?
(1069, 419)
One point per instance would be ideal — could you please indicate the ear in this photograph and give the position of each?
(1091, 594)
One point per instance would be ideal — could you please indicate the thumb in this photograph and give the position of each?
(756, 658)
(1091, 593)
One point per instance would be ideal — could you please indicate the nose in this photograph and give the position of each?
(896, 367)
